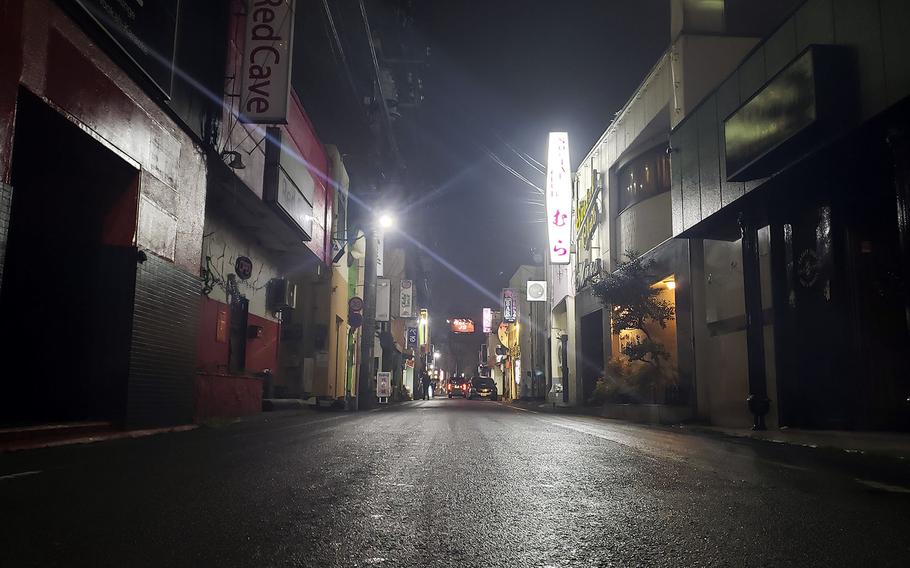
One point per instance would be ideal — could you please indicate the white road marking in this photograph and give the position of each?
(20, 474)
(883, 486)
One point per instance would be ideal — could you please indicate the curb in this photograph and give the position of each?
(36, 445)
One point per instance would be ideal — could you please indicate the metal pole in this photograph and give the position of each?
(366, 394)
(758, 402)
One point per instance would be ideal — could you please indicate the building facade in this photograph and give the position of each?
(796, 218)
(623, 208)
(103, 167)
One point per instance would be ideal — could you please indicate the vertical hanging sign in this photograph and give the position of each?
(509, 306)
(487, 320)
(265, 85)
(383, 298)
(559, 198)
(423, 327)
(380, 260)
(406, 299)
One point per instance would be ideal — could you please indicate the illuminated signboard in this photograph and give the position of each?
(462, 325)
(509, 306)
(422, 327)
(487, 320)
(559, 198)
(406, 299)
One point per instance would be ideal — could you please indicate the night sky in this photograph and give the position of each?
(506, 73)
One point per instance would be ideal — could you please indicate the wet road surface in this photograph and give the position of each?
(449, 483)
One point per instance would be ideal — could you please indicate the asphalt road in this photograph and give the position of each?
(449, 483)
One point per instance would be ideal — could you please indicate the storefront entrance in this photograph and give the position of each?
(592, 352)
(66, 300)
(842, 350)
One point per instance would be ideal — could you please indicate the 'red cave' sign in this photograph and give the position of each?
(267, 62)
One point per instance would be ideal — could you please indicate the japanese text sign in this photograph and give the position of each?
(559, 198)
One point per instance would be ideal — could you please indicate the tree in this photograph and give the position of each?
(635, 303)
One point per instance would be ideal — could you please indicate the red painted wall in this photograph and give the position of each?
(212, 354)
(303, 136)
(262, 352)
(212, 357)
(226, 397)
(219, 394)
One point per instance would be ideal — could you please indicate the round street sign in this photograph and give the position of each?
(355, 304)
(355, 319)
(243, 267)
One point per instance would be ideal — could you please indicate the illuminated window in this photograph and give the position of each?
(644, 177)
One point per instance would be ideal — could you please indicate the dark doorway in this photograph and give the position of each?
(817, 299)
(240, 314)
(69, 277)
(592, 352)
(843, 357)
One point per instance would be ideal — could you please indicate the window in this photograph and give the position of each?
(644, 177)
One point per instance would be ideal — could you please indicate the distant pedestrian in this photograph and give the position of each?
(425, 381)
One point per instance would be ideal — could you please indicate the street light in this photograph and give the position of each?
(436, 355)
(366, 379)
(386, 221)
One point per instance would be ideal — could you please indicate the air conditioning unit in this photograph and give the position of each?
(280, 294)
(537, 290)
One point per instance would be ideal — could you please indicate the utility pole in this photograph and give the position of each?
(366, 391)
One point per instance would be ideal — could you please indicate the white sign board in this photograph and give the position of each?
(559, 198)
(380, 243)
(537, 290)
(487, 320)
(265, 85)
(383, 384)
(406, 299)
(509, 305)
(383, 298)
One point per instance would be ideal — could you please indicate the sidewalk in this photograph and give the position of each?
(891, 444)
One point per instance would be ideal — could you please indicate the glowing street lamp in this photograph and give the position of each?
(386, 221)
(436, 355)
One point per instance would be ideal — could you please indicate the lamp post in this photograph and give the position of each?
(366, 397)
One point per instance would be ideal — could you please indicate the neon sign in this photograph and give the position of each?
(559, 198)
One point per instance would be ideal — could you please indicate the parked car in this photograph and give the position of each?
(457, 387)
(482, 387)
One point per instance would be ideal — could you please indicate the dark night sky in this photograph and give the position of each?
(513, 70)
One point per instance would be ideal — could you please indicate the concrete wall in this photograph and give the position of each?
(721, 363)
(223, 243)
(705, 61)
(644, 225)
